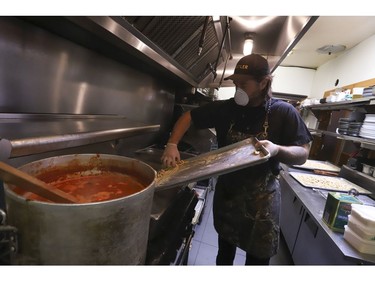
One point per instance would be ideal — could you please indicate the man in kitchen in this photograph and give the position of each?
(247, 202)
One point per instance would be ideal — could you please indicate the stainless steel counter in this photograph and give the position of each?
(26, 134)
(314, 202)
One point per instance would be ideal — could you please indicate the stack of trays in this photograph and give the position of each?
(368, 127)
(354, 128)
(349, 127)
(360, 230)
(369, 91)
(343, 126)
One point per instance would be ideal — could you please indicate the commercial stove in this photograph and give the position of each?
(174, 206)
(170, 229)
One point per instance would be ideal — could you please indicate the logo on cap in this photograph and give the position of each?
(253, 65)
(242, 66)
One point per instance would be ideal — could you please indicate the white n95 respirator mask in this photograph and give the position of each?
(240, 97)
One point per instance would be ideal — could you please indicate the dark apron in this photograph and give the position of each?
(246, 207)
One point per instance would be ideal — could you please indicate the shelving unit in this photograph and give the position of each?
(327, 142)
(349, 104)
(365, 142)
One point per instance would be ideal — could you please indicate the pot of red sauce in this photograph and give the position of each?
(110, 223)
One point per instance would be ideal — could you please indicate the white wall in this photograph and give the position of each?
(225, 93)
(293, 80)
(288, 80)
(355, 65)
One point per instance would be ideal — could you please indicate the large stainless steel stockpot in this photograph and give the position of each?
(107, 232)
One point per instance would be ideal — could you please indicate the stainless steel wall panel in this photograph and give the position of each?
(44, 73)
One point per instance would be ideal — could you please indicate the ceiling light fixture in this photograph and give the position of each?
(248, 44)
(215, 18)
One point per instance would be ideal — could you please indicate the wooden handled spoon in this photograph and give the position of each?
(27, 182)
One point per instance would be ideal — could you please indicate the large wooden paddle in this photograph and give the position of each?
(27, 182)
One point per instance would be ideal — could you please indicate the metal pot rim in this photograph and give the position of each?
(18, 197)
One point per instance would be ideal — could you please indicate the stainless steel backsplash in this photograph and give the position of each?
(41, 72)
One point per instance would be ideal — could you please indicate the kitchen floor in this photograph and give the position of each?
(204, 245)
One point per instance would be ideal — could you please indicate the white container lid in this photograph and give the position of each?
(365, 232)
(364, 213)
(363, 246)
(358, 90)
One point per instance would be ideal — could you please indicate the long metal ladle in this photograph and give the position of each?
(27, 182)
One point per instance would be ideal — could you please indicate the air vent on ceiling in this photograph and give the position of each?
(331, 49)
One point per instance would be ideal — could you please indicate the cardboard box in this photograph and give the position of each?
(338, 207)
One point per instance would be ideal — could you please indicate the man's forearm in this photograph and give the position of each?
(294, 155)
(180, 128)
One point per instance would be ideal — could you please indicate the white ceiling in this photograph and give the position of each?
(329, 30)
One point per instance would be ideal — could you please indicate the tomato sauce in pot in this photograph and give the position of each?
(91, 187)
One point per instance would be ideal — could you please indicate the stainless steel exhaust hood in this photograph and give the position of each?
(195, 50)
(203, 49)
(191, 43)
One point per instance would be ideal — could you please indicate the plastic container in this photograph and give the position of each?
(364, 214)
(362, 245)
(367, 169)
(365, 232)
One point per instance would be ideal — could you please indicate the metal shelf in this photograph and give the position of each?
(343, 104)
(27, 134)
(365, 142)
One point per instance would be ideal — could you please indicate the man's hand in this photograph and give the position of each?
(171, 155)
(292, 155)
(270, 146)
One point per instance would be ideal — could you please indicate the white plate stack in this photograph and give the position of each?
(360, 230)
(368, 127)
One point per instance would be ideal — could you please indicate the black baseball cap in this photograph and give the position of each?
(251, 65)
